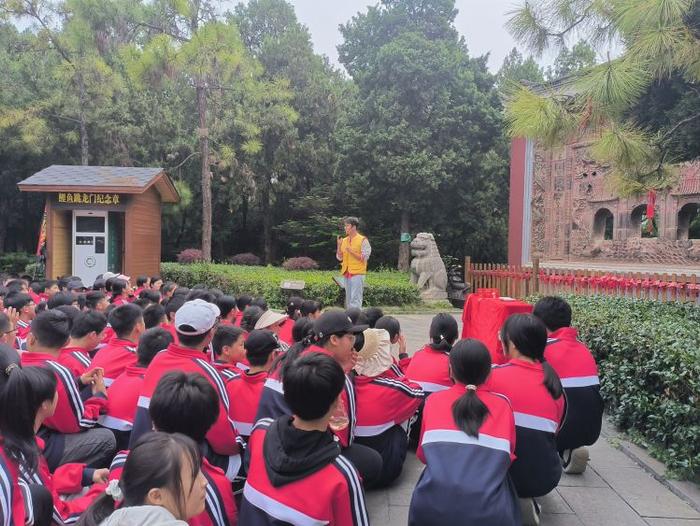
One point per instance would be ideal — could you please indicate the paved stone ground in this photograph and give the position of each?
(613, 491)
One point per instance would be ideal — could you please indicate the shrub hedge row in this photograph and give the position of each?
(381, 288)
(649, 358)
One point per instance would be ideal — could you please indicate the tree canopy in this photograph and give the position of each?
(659, 66)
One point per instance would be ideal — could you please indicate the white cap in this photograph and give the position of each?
(196, 317)
(109, 275)
(122, 276)
(269, 318)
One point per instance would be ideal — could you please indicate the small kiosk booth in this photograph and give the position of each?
(102, 218)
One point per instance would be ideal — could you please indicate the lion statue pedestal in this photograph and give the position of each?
(428, 271)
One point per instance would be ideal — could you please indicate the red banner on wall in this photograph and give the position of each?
(42, 230)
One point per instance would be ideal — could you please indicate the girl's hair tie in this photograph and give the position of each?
(10, 368)
(470, 387)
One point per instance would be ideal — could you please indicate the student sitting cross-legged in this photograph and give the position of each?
(297, 474)
(124, 391)
(386, 402)
(161, 484)
(70, 434)
(578, 372)
(536, 395)
(467, 442)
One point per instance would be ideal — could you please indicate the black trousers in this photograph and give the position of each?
(392, 446)
(367, 461)
(42, 504)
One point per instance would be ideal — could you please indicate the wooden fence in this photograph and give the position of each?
(522, 281)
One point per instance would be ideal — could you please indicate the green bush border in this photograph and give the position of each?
(649, 359)
(381, 288)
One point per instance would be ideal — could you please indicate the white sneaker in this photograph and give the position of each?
(574, 461)
(529, 512)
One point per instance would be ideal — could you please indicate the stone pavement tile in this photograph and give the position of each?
(398, 516)
(548, 519)
(588, 478)
(553, 503)
(673, 522)
(647, 496)
(378, 506)
(604, 455)
(600, 507)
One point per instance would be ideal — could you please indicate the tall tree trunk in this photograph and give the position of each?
(267, 224)
(84, 145)
(206, 175)
(405, 248)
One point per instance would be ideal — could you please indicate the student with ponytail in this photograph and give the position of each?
(429, 367)
(28, 397)
(467, 442)
(536, 395)
(162, 483)
(15, 497)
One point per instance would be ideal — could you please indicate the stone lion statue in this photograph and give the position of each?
(428, 271)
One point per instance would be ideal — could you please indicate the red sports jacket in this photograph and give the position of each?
(107, 337)
(578, 372)
(21, 335)
(72, 414)
(466, 478)
(537, 469)
(114, 358)
(285, 333)
(332, 495)
(245, 391)
(124, 396)
(14, 507)
(76, 360)
(430, 369)
(384, 401)
(220, 507)
(68, 479)
(222, 437)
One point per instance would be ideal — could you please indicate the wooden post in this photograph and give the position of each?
(535, 276)
(468, 271)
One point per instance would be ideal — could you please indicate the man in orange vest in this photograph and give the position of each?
(353, 251)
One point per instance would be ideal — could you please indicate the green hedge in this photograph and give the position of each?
(649, 358)
(15, 262)
(381, 288)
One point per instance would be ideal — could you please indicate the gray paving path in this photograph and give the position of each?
(613, 491)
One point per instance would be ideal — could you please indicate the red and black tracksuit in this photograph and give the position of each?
(430, 368)
(299, 477)
(537, 469)
(385, 405)
(14, 505)
(220, 508)
(123, 399)
(114, 358)
(578, 372)
(76, 359)
(285, 333)
(465, 480)
(68, 479)
(222, 437)
(272, 403)
(245, 391)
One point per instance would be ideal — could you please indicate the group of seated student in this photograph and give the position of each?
(171, 405)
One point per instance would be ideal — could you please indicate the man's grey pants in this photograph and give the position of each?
(353, 291)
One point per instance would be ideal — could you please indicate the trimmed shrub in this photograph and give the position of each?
(15, 262)
(381, 288)
(246, 258)
(648, 357)
(300, 263)
(189, 256)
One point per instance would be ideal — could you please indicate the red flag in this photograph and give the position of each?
(651, 206)
(42, 230)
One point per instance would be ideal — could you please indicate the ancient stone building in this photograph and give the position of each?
(561, 209)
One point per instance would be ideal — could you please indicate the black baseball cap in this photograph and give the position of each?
(335, 321)
(261, 341)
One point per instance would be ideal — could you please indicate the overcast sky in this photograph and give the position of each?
(481, 22)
